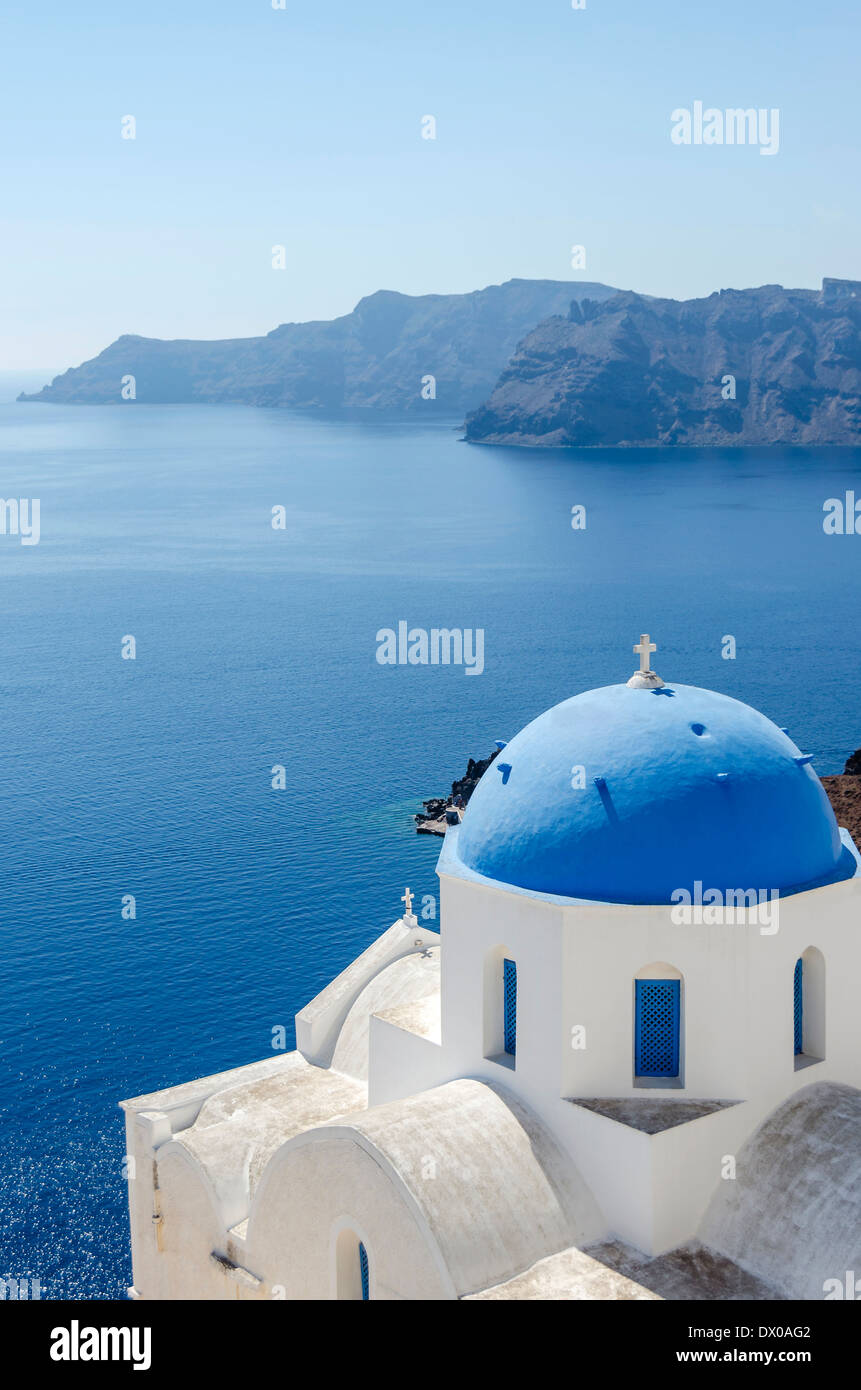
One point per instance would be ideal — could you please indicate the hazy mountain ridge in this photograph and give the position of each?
(638, 370)
(371, 359)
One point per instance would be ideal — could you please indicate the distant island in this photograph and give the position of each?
(378, 359)
(533, 363)
(742, 367)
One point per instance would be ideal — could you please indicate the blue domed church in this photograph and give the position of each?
(629, 1067)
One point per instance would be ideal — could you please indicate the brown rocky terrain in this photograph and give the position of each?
(844, 793)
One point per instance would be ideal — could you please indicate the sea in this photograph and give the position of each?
(255, 649)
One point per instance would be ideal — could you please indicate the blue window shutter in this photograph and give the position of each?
(363, 1266)
(656, 1027)
(798, 1005)
(510, 1006)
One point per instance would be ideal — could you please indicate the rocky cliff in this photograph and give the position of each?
(373, 359)
(742, 367)
(431, 821)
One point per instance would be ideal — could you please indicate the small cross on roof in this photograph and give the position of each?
(645, 649)
(645, 678)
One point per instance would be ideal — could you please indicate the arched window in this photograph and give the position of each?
(808, 1007)
(509, 1006)
(658, 1026)
(798, 1006)
(500, 1006)
(364, 1273)
(352, 1267)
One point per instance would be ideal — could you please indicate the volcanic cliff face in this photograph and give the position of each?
(742, 367)
(373, 359)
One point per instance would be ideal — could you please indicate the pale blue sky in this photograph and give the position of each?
(302, 127)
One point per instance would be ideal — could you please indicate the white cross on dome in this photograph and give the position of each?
(645, 678)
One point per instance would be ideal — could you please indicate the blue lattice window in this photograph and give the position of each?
(364, 1271)
(656, 1028)
(509, 1011)
(798, 1005)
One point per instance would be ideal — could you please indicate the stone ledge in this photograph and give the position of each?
(420, 1017)
(650, 1116)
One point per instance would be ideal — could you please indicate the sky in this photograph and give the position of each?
(301, 127)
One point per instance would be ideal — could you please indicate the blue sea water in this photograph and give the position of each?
(256, 647)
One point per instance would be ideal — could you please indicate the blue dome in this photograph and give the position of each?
(680, 785)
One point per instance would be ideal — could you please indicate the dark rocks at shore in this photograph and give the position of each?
(431, 821)
(853, 764)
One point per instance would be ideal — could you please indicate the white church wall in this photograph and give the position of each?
(576, 968)
(214, 1164)
(319, 1023)
(175, 1228)
(607, 950)
(691, 1162)
(826, 920)
(174, 1222)
(614, 1162)
(450, 1191)
(192, 1230)
(483, 922)
(399, 987)
(151, 1120)
(140, 1172)
(686, 1165)
(317, 1187)
(402, 1063)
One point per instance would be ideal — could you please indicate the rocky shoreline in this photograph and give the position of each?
(432, 820)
